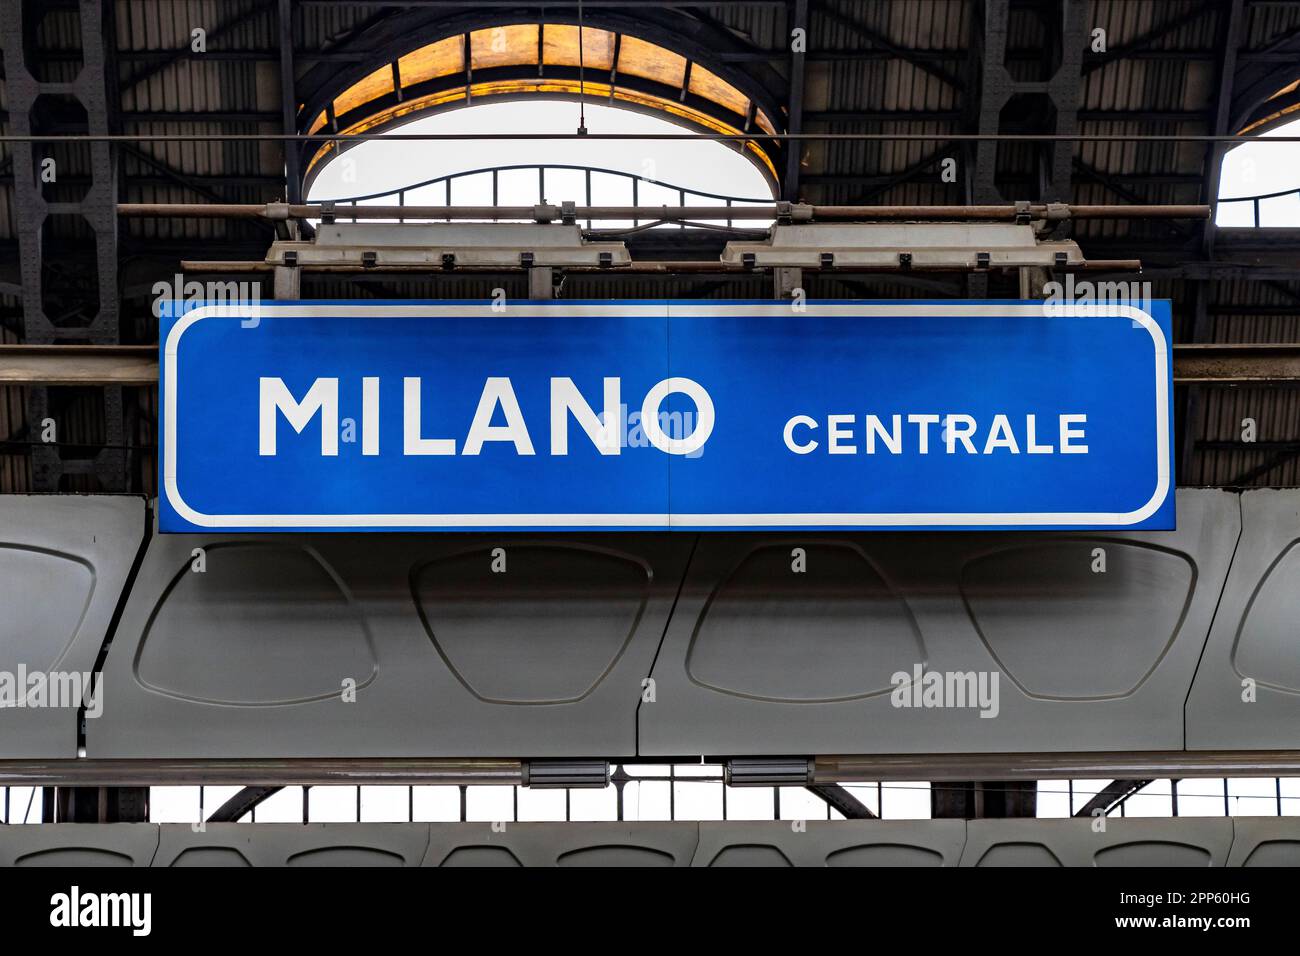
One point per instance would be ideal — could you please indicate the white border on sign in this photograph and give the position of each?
(650, 521)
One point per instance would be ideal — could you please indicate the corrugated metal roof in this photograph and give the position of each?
(865, 56)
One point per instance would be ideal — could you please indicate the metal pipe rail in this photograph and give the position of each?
(1056, 766)
(368, 771)
(823, 770)
(638, 267)
(552, 213)
(1204, 364)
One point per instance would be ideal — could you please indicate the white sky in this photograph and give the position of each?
(1257, 168)
(706, 165)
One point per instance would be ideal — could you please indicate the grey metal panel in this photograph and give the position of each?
(1255, 637)
(293, 844)
(78, 844)
(64, 562)
(1181, 841)
(832, 843)
(450, 658)
(1265, 841)
(562, 844)
(759, 659)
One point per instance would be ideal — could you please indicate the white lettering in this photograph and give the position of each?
(323, 397)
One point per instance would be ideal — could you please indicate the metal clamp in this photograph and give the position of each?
(1057, 212)
(767, 772)
(554, 774)
(327, 213)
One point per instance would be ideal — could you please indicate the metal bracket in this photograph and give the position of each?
(327, 213)
(792, 212)
(475, 245)
(881, 246)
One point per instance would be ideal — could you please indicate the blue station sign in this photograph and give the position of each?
(654, 415)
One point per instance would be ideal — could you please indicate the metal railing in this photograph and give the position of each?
(1255, 201)
(681, 792)
(636, 181)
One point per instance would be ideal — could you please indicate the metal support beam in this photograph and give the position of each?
(541, 282)
(882, 42)
(1231, 25)
(1147, 40)
(840, 799)
(32, 213)
(798, 20)
(289, 104)
(1113, 794)
(1237, 364)
(164, 59)
(79, 364)
(378, 771)
(242, 802)
(1248, 476)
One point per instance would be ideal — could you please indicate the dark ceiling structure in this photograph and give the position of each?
(72, 271)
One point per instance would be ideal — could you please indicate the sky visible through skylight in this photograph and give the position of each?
(1255, 169)
(705, 165)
